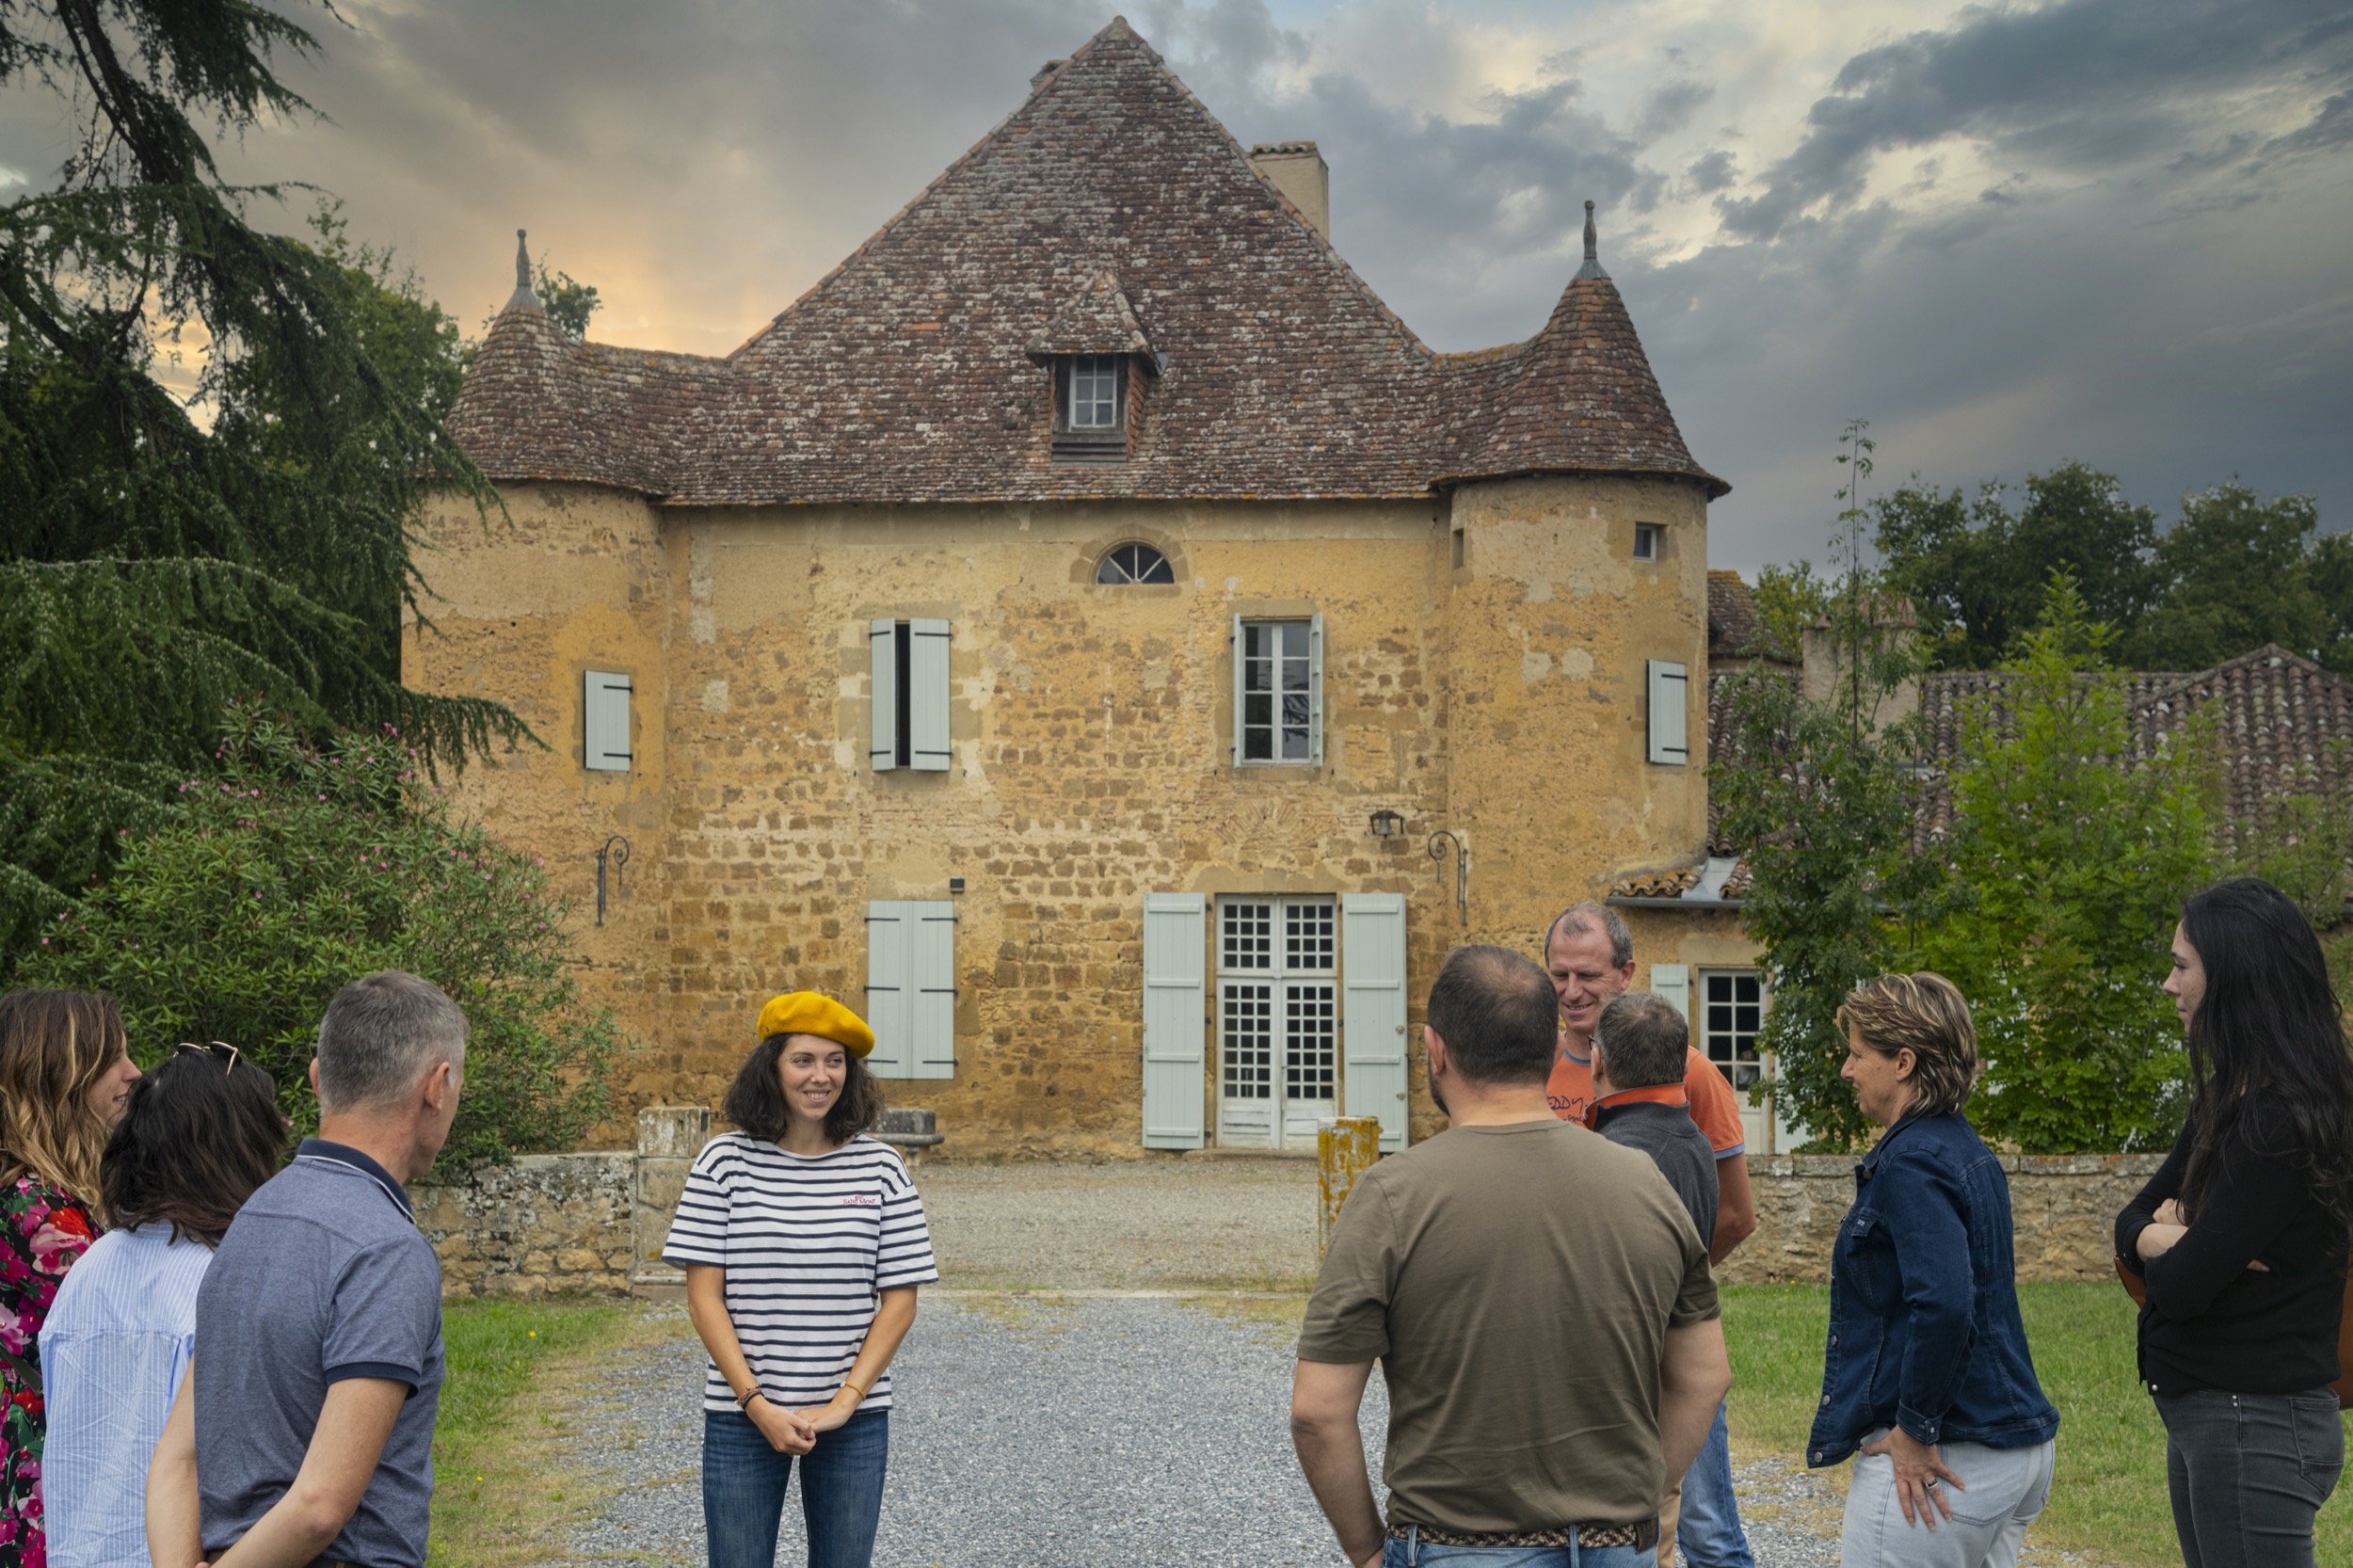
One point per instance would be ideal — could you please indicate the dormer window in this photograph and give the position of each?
(1091, 408)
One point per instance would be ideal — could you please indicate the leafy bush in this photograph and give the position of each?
(290, 871)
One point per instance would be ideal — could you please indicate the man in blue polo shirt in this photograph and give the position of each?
(317, 1365)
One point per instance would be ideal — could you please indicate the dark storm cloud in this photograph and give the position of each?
(2081, 85)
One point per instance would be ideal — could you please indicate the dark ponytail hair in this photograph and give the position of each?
(197, 1138)
(755, 1101)
(2268, 1036)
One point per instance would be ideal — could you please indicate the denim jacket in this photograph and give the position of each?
(1924, 1326)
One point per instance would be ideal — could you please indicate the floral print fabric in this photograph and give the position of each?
(42, 1231)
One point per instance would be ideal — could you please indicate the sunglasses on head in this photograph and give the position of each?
(212, 1049)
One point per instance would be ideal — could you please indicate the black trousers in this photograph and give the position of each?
(2248, 1472)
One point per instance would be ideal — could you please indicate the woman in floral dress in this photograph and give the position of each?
(65, 1074)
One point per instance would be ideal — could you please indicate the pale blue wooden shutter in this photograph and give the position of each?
(882, 643)
(1673, 982)
(1372, 1010)
(890, 990)
(1237, 684)
(931, 947)
(1176, 1012)
(1315, 694)
(604, 721)
(927, 678)
(1668, 683)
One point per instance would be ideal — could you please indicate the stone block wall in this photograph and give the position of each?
(545, 1223)
(2063, 1209)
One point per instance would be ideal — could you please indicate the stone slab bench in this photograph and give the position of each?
(910, 1130)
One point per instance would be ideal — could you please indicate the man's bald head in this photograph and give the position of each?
(1495, 1011)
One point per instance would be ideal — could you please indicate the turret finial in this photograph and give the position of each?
(523, 295)
(1593, 247)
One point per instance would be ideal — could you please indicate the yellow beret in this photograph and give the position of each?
(815, 1013)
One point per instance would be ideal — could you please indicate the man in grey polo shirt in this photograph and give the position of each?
(317, 1366)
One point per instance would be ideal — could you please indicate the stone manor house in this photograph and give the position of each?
(1090, 632)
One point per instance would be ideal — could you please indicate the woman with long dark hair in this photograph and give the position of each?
(201, 1133)
(802, 1243)
(65, 1074)
(2242, 1234)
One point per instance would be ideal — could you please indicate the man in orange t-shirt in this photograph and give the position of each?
(1590, 954)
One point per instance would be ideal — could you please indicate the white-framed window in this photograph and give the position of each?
(1669, 685)
(908, 702)
(1091, 392)
(1650, 541)
(1732, 1011)
(1278, 1015)
(1278, 692)
(604, 721)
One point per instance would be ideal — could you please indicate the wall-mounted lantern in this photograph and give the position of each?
(1387, 823)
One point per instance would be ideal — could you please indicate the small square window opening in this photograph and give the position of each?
(1649, 541)
(1094, 400)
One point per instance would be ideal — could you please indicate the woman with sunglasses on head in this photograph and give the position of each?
(201, 1133)
(802, 1243)
(65, 1073)
(2241, 1235)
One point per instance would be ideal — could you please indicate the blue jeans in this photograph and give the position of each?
(842, 1487)
(1417, 1553)
(1708, 1533)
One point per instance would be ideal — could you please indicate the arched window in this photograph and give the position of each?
(1134, 563)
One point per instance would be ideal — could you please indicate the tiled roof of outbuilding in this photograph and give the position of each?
(2283, 725)
(1735, 631)
(905, 375)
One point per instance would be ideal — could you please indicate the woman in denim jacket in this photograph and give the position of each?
(2241, 1235)
(1927, 1374)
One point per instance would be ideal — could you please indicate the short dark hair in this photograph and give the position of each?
(381, 1035)
(1498, 1015)
(198, 1137)
(755, 1101)
(1643, 1040)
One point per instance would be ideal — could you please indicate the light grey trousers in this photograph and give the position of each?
(2002, 1491)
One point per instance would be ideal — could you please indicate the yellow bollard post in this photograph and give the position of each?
(1344, 1149)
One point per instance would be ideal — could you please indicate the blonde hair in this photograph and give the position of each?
(54, 1046)
(1926, 1015)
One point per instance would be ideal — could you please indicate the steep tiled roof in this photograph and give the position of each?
(1096, 320)
(906, 375)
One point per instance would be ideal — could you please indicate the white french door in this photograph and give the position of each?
(1278, 1019)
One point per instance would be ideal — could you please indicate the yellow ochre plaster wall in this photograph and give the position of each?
(1501, 698)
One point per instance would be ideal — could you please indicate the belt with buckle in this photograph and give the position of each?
(1641, 1536)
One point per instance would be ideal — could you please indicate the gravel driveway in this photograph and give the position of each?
(1124, 1424)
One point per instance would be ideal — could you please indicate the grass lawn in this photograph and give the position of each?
(2110, 1498)
(500, 1494)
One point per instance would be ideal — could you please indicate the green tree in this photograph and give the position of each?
(1789, 600)
(1819, 794)
(2070, 861)
(2239, 573)
(162, 554)
(1975, 570)
(291, 869)
(569, 302)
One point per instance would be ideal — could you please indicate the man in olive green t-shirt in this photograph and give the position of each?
(1538, 1301)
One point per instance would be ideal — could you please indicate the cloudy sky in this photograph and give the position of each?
(2114, 229)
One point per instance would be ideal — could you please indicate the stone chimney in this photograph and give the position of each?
(1897, 626)
(1297, 169)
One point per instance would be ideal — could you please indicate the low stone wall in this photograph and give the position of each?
(596, 1221)
(593, 1221)
(2062, 1206)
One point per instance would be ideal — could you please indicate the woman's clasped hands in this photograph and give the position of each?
(788, 1432)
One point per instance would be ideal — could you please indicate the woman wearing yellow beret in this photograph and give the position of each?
(802, 1243)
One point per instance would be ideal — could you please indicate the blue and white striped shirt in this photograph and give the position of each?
(112, 1354)
(808, 1242)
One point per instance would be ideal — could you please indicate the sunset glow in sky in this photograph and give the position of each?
(2114, 229)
